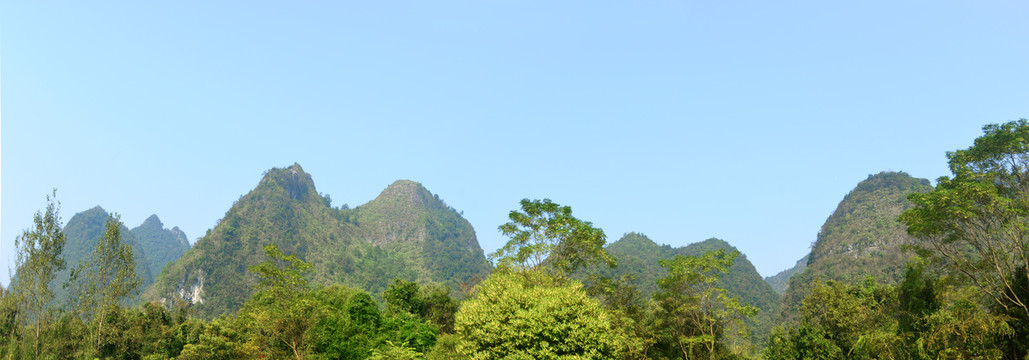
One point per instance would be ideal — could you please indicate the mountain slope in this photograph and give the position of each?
(405, 233)
(638, 255)
(862, 237)
(781, 281)
(407, 220)
(162, 246)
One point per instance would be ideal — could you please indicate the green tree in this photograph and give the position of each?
(697, 311)
(104, 280)
(512, 317)
(283, 309)
(977, 221)
(545, 235)
(431, 302)
(39, 259)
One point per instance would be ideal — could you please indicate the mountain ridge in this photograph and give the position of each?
(405, 232)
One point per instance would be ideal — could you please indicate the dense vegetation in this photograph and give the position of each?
(960, 290)
(639, 258)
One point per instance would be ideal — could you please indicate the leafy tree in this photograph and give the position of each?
(431, 302)
(857, 319)
(349, 328)
(977, 221)
(39, 259)
(282, 310)
(392, 351)
(963, 329)
(696, 310)
(802, 343)
(512, 317)
(546, 235)
(104, 280)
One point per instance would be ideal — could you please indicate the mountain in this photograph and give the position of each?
(162, 246)
(638, 255)
(862, 237)
(781, 281)
(406, 232)
(82, 232)
(432, 238)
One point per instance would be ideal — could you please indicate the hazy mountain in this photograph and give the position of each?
(862, 237)
(638, 255)
(406, 232)
(781, 281)
(162, 246)
(83, 231)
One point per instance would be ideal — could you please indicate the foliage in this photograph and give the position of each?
(545, 235)
(697, 311)
(977, 221)
(512, 317)
(431, 302)
(83, 231)
(395, 352)
(104, 280)
(283, 310)
(39, 258)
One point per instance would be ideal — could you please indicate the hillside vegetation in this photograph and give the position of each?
(406, 233)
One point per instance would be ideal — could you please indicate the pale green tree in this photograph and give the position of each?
(545, 236)
(512, 317)
(283, 309)
(977, 221)
(39, 259)
(697, 312)
(104, 280)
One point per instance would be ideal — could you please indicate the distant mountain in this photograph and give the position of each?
(862, 237)
(406, 232)
(162, 246)
(638, 255)
(82, 232)
(781, 281)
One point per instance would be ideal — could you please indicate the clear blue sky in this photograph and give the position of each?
(683, 120)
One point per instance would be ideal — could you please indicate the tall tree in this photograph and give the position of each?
(697, 310)
(105, 279)
(545, 236)
(283, 309)
(977, 221)
(39, 259)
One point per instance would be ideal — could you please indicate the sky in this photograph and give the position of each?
(683, 120)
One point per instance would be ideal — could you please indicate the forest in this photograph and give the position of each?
(925, 272)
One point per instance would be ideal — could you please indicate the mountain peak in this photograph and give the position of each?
(409, 194)
(153, 221)
(296, 183)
